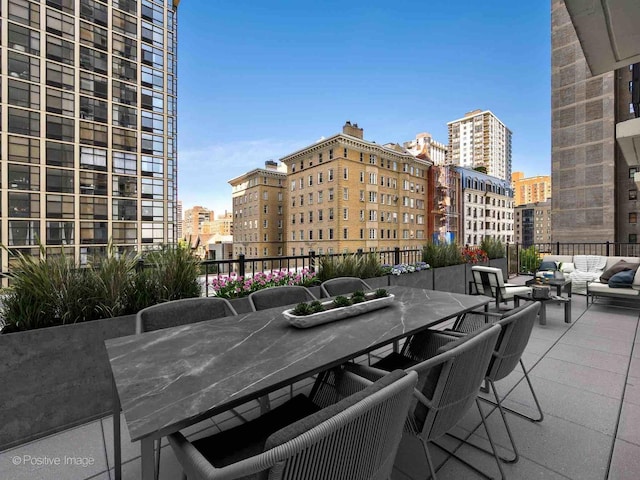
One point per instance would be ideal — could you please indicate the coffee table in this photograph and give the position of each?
(559, 283)
(543, 302)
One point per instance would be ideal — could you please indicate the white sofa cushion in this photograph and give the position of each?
(603, 288)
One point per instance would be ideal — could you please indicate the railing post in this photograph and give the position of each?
(359, 252)
(241, 265)
(140, 265)
(557, 248)
(607, 248)
(312, 261)
(396, 255)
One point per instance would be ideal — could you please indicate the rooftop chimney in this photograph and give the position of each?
(352, 130)
(271, 165)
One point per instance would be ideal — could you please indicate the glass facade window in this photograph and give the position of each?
(129, 6)
(60, 154)
(60, 50)
(23, 177)
(125, 232)
(25, 12)
(152, 166)
(93, 60)
(60, 233)
(152, 78)
(93, 183)
(123, 23)
(152, 211)
(60, 101)
(93, 232)
(124, 139)
(60, 76)
(23, 94)
(60, 24)
(59, 180)
(93, 208)
(60, 206)
(93, 159)
(23, 39)
(93, 134)
(22, 149)
(67, 6)
(23, 67)
(152, 34)
(125, 116)
(152, 188)
(93, 36)
(124, 69)
(152, 100)
(125, 163)
(125, 93)
(152, 56)
(94, 11)
(60, 128)
(125, 47)
(124, 186)
(25, 205)
(94, 85)
(124, 209)
(24, 232)
(24, 122)
(93, 109)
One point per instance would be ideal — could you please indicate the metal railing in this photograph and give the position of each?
(525, 259)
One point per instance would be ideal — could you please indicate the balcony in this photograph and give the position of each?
(586, 374)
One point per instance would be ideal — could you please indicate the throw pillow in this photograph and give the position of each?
(548, 266)
(567, 267)
(622, 279)
(621, 266)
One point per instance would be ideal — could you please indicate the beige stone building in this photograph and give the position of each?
(426, 146)
(531, 189)
(533, 223)
(259, 212)
(345, 193)
(195, 221)
(223, 224)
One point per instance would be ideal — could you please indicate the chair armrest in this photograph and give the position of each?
(365, 371)
(194, 464)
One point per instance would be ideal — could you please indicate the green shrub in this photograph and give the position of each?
(52, 290)
(442, 255)
(341, 301)
(354, 265)
(529, 259)
(493, 247)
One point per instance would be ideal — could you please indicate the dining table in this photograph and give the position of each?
(167, 380)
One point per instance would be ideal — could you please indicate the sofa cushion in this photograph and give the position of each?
(567, 267)
(636, 280)
(622, 279)
(597, 288)
(548, 265)
(621, 266)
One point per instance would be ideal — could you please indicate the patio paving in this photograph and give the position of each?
(586, 375)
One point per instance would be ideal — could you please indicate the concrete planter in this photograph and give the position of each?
(501, 263)
(56, 378)
(421, 279)
(450, 279)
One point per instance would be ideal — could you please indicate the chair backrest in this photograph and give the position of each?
(182, 312)
(342, 286)
(488, 280)
(450, 381)
(514, 336)
(279, 296)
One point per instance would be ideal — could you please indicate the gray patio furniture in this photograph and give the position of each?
(354, 437)
(181, 312)
(490, 282)
(279, 296)
(343, 285)
(449, 378)
(517, 325)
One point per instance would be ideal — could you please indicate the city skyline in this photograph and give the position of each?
(279, 77)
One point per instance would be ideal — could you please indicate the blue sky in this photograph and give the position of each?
(258, 79)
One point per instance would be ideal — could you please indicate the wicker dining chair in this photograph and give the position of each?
(354, 438)
(181, 312)
(449, 379)
(279, 296)
(342, 286)
(489, 281)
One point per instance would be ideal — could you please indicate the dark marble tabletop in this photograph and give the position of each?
(172, 378)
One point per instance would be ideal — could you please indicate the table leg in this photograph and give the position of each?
(567, 312)
(543, 313)
(117, 444)
(147, 461)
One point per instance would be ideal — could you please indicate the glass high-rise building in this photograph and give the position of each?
(88, 125)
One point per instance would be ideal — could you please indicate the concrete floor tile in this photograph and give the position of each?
(621, 323)
(625, 464)
(591, 358)
(561, 446)
(634, 367)
(539, 346)
(582, 339)
(128, 450)
(629, 420)
(601, 332)
(588, 409)
(74, 454)
(586, 378)
(632, 390)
